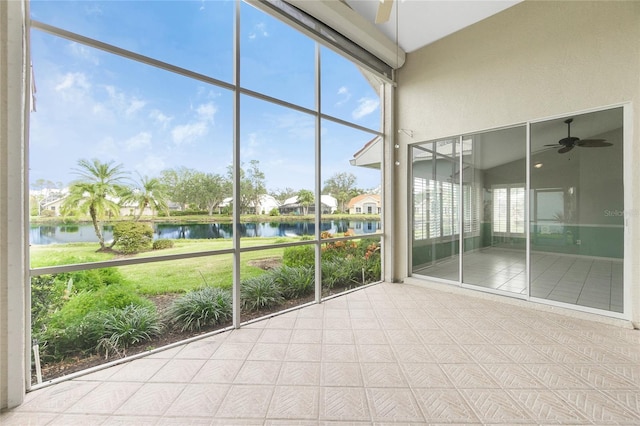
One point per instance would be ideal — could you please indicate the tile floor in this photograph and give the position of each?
(578, 280)
(386, 354)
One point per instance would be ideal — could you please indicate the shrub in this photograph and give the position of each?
(91, 279)
(47, 213)
(260, 292)
(77, 327)
(47, 295)
(274, 212)
(201, 308)
(162, 244)
(338, 272)
(126, 326)
(294, 281)
(299, 256)
(132, 237)
(84, 302)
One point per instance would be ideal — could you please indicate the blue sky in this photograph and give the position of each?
(91, 104)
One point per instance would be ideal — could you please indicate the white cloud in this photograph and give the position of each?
(134, 105)
(187, 133)
(365, 107)
(259, 30)
(122, 104)
(345, 96)
(81, 51)
(207, 111)
(73, 80)
(139, 141)
(159, 118)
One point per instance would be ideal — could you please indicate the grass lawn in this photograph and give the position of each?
(174, 276)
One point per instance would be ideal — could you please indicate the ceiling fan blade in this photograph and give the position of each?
(593, 143)
(565, 149)
(384, 11)
(552, 144)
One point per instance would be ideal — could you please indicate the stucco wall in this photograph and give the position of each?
(534, 60)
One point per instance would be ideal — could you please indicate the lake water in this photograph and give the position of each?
(70, 233)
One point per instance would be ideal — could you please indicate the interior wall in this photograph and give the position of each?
(529, 62)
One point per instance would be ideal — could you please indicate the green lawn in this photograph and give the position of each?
(170, 276)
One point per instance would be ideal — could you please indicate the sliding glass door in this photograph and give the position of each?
(436, 194)
(484, 185)
(494, 177)
(577, 210)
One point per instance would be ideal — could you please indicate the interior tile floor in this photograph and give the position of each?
(385, 354)
(579, 280)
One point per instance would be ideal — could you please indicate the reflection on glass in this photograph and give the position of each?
(435, 178)
(493, 187)
(577, 210)
(276, 58)
(104, 314)
(275, 279)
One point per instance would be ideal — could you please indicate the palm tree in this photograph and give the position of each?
(150, 192)
(305, 199)
(95, 192)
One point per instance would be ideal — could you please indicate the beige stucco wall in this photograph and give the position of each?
(534, 60)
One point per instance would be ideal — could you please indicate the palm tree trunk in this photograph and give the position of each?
(96, 227)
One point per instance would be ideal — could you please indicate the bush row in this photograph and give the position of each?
(96, 311)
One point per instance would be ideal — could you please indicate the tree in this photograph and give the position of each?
(252, 185)
(96, 192)
(283, 194)
(150, 192)
(179, 185)
(305, 198)
(210, 189)
(342, 187)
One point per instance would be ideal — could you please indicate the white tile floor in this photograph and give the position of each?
(386, 354)
(578, 280)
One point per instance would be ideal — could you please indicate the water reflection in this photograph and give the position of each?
(72, 233)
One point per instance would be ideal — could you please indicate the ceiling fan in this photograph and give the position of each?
(384, 11)
(571, 142)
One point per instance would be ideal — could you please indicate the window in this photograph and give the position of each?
(153, 104)
(508, 210)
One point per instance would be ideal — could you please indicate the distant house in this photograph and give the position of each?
(365, 204)
(53, 205)
(291, 206)
(266, 203)
(126, 209)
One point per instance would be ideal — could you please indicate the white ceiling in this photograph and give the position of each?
(422, 22)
